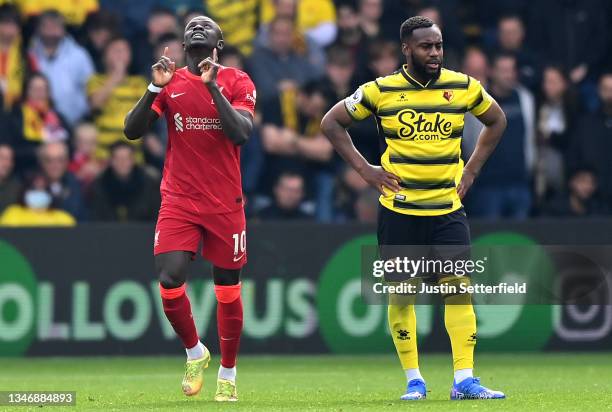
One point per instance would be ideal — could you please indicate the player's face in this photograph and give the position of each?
(425, 50)
(203, 32)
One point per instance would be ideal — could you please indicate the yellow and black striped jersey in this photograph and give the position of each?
(422, 125)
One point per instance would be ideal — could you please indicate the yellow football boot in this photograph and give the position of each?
(194, 374)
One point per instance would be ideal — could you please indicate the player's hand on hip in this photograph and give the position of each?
(380, 179)
(467, 179)
(210, 67)
(163, 70)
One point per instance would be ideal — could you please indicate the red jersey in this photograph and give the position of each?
(202, 166)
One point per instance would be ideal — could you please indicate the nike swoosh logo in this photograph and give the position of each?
(237, 258)
(173, 95)
(222, 338)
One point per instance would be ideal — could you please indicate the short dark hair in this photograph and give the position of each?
(119, 145)
(161, 11)
(413, 23)
(289, 174)
(9, 13)
(510, 16)
(339, 56)
(51, 14)
(503, 55)
(168, 37)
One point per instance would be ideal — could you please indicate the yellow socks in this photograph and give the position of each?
(460, 322)
(402, 324)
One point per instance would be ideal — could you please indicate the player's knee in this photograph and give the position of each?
(227, 293)
(169, 282)
(171, 269)
(171, 276)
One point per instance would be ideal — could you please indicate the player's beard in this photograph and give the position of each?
(421, 70)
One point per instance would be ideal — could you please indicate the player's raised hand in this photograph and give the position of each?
(163, 70)
(210, 67)
(379, 178)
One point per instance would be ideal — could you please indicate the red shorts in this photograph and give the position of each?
(223, 236)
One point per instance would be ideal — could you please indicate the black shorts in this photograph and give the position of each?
(444, 237)
(399, 229)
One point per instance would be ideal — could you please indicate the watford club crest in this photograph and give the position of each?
(448, 95)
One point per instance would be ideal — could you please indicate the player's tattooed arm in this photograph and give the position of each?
(494, 120)
(138, 120)
(334, 126)
(237, 124)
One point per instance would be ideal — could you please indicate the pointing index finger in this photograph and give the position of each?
(165, 51)
(215, 55)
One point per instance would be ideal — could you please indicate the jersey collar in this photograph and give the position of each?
(414, 81)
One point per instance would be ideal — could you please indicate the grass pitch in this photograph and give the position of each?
(547, 382)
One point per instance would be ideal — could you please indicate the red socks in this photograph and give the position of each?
(229, 322)
(229, 319)
(178, 311)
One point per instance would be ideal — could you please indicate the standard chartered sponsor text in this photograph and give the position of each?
(203, 123)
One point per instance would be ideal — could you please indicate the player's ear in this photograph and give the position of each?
(220, 45)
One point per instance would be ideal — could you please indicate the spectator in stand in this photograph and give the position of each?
(340, 79)
(288, 197)
(84, 164)
(581, 199)
(65, 63)
(366, 207)
(124, 192)
(16, 65)
(182, 7)
(231, 57)
(159, 22)
(277, 65)
(383, 58)
(348, 188)
(114, 93)
(35, 122)
(131, 14)
(73, 12)
(100, 28)
(10, 187)
(339, 71)
(350, 34)
(591, 142)
(36, 207)
(292, 139)
(370, 13)
(503, 188)
(239, 20)
(475, 64)
(63, 186)
(511, 40)
(315, 19)
(570, 33)
(300, 43)
(557, 108)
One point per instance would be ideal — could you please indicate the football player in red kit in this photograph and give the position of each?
(209, 112)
